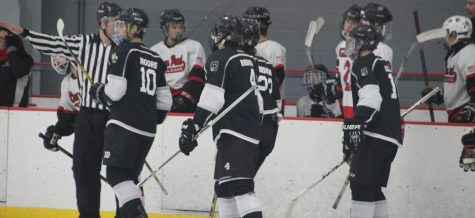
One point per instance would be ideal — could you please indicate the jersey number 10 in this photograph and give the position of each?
(149, 81)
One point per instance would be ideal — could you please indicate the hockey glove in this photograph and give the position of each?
(187, 141)
(50, 138)
(353, 135)
(438, 98)
(316, 110)
(467, 114)
(467, 158)
(97, 93)
(331, 93)
(183, 104)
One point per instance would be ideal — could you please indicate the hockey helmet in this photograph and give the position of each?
(124, 23)
(352, 14)
(107, 9)
(262, 16)
(458, 28)
(227, 29)
(313, 76)
(379, 16)
(250, 35)
(62, 65)
(171, 15)
(363, 37)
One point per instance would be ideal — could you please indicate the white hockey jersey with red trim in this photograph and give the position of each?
(69, 100)
(459, 66)
(343, 67)
(180, 59)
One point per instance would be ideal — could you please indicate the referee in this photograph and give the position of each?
(93, 52)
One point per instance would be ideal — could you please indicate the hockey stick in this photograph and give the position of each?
(208, 125)
(213, 206)
(342, 191)
(423, 62)
(421, 101)
(421, 38)
(291, 206)
(41, 135)
(156, 178)
(59, 29)
(205, 18)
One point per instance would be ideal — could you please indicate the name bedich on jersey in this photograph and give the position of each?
(229, 75)
(89, 49)
(142, 72)
(267, 86)
(386, 123)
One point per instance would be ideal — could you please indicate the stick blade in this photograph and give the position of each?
(60, 27)
(313, 28)
(290, 209)
(437, 33)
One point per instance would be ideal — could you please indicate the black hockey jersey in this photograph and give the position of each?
(142, 72)
(231, 73)
(376, 98)
(267, 85)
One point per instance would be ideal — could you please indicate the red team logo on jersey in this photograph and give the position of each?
(450, 75)
(175, 64)
(74, 97)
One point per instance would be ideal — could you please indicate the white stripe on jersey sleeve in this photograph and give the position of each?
(115, 87)
(164, 98)
(212, 98)
(370, 97)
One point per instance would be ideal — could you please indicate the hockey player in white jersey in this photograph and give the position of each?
(351, 19)
(184, 59)
(69, 103)
(459, 77)
(270, 50)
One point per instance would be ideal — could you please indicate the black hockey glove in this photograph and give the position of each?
(331, 93)
(467, 158)
(50, 138)
(187, 139)
(353, 135)
(97, 93)
(317, 110)
(183, 104)
(438, 98)
(467, 114)
(14, 43)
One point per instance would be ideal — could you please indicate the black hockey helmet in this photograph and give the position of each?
(376, 13)
(171, 15)
(227, 28)
(363, 37)
(354, 14)
(260, 14)
(379, 16)
(250, 35)
(107, 9)
(134, 17)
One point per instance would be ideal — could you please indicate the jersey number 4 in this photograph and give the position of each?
(149, 81)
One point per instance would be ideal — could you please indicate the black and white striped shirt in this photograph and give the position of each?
(91, 52)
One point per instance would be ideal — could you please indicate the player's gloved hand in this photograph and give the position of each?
(331, 92)
(467, 114)
(353, 135)
(182, 104)
(50, 138)
(317, 92)
(187, 141)
(316, 110)
(13, 43)
(97, 93)
(467, 158)
(438, 98)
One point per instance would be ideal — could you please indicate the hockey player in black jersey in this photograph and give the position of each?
(229, 74)
(140, 99)
(374, 134)
(267, 87)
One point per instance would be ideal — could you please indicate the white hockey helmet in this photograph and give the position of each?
(457, 27)
(62, 65)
